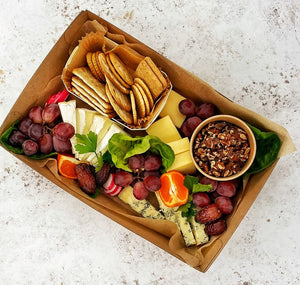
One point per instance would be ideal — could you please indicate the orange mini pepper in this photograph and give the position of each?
(173, 193)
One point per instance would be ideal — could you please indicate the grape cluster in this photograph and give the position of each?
(42, 131)
(214, 205)
(195, 115)
(145, 175)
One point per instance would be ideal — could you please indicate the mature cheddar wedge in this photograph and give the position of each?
(183, 163)
(164, 129)
(180, 146)
(171, 109)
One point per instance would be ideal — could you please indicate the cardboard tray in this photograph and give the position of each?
(47, 81)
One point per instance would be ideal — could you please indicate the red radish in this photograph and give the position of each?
(109, 184)
(116, 190)
(110, 188)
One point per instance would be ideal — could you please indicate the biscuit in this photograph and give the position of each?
(147, 105)
(97, 68)
(113, 70)
(151, 75)
(90, 65)
(124, 115)
(121, 99)
(86, 76)
(91, 92)
(120, 68)
(110, 75)
(140, 104)
(87, 101)
(133, 108)
(139, 81)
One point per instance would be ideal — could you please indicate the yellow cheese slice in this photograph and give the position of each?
(183, 163)
(180, 146)
(171, 108)
(164, 129)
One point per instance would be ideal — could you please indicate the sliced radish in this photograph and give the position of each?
(109, 184)
(114, 191)
(117, 192)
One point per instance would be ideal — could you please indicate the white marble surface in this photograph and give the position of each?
(247, 50)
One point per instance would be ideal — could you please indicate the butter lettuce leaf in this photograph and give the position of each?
(122, 147)
(268, 145)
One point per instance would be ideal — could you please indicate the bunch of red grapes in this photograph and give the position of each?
(145, 175)
(195, 115)
(215, 204)
(42, 131)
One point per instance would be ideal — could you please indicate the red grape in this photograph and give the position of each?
(123, 178)
(51, 113)
(153, 173)
(208, 214)
(206, 110)
(224, 204)
(152, 162)
(35, 114)
(63, 131)
(36, 131)
(201, 199)
(187, 107)
(24, 125)
(152, 183)
(215, 228)
(17, 138)
(60, 145)
(139, 191)
(30, 147)
(206, 181)
(226, 188)
(46, 143)
(188, 126)
(136, 162)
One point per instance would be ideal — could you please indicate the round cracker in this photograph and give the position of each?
(120, 68)
(140, 104)
(113, 70)
(90, 64)
(146, 90)
(121, 99)
(96, 66)
(147, 105)
(124, 115)
(110, 75)
(133, 108)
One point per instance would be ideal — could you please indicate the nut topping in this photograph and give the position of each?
(221, 149)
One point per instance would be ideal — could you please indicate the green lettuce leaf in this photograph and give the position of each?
(268, 146)
(122, 146)
(192, 183)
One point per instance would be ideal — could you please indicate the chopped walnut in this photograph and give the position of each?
(221, 149)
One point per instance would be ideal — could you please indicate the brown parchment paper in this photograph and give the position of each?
(47, 81)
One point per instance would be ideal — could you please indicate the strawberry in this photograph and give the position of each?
(208, 214)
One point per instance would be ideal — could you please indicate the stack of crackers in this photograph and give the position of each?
(107, 85)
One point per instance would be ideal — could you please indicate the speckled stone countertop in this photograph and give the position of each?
(248, 51)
